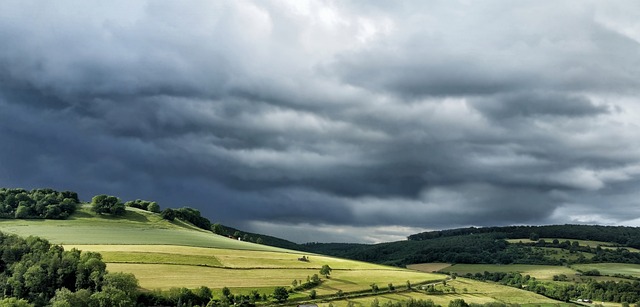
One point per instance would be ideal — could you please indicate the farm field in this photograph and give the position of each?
(187, 266)
(541, 272)
(164, 255)
(428, 267)
(136, 227)
(476, 292)
(611, 268)
(593, 244)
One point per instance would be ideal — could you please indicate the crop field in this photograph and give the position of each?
(611, 268)
(428, 267)
(219, 257)
(163, 255)
(470, 290)
(156, 267)
(541, 272)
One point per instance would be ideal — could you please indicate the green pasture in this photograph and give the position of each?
(611, 268)
(166, 266)
(228, 258)
(470, 290)
(136, 227)
(559, 253)
(163, 254)
(428, 267)
(165, 276)
(541, 272)
(590, 243)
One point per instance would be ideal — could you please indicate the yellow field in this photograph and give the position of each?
(476, 292)
(166, 266)
(428, 267)
(541, 272)
(225, 257)
(164, 255)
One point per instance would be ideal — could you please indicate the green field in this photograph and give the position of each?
(136, 227)
(164, 254)
(593, 244)
(611, 269)
(470, 290)
(541, 272)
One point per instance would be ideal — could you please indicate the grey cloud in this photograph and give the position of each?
(481, 49)
(526, 105)
(273, 116)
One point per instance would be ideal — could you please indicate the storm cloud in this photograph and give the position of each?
(330, 121)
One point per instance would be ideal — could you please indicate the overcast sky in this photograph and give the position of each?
(356, 121)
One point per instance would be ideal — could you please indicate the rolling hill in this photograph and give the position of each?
(165, 255)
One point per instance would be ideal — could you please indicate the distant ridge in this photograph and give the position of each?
(489, 245)
(623, 235)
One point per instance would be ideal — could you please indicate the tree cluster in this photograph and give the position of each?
(39, 273)
(150, 206)
(609, 291)
(105, 204)
(187, 214)
(37, 204)
(177, 297)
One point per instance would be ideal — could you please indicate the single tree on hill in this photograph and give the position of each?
(168, 214)
(326, 270)
(153, 207)
(107, 204)
(218, 229)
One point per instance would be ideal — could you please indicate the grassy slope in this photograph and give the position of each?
(136, 227)
(541, 272)
(163, 255)
(611, 268)
(470, 290)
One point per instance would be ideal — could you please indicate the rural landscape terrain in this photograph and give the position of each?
(170, 261)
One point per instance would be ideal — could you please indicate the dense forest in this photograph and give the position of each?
(37, 203)
(489, 247)
(33, 270)
(625, 236)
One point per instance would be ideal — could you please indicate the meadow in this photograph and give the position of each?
(470, 290)
(163, 255)
(611, 269)
(541, 272)
(136, 227)
(589, 243)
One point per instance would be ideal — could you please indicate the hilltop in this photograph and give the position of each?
(174, 260)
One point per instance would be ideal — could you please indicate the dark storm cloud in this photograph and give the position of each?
(329, 121)
(539, 104)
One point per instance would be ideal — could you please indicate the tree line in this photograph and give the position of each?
(37, 203)
(35, 273)
(622, 235)
(609, 291)
(483, 248)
